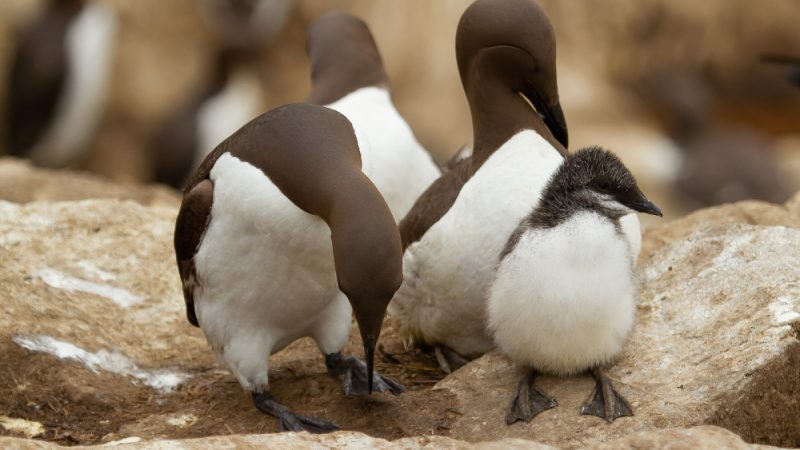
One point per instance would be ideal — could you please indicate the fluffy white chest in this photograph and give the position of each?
(221, 115)
(89, 45)
(563, 299)
(447, 272)
(391, 157)
(265, 271)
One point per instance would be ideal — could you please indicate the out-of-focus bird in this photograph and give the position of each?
(719, 163)
(59, 79)
(230, 98)
(347, 75)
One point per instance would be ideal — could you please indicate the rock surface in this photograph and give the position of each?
(716, 341)
(95, 347)
(746, 212)
(697, 438)
(20, 182)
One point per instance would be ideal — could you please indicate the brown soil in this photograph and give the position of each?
(77, 406)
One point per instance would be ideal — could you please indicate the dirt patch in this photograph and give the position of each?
(77, 406)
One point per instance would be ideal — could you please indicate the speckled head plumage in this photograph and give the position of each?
(512, 43)
(591, 178)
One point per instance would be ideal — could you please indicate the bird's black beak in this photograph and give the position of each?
(551, 114)
(369, 353)
(645, 206)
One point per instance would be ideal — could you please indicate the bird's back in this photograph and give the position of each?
(392, 157)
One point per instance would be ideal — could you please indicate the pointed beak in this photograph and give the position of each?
(369, 327)
(369, 353)
(552, 115)
(646, 206)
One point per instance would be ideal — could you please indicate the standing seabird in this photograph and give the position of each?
(347, 75)
(277, 223)
(59, 79)
(562, 300)
(506, 58)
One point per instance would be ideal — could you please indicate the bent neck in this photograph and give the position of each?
(499, 111)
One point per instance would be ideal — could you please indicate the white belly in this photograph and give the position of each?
(447, 272)
(563, 299)
(392, 158)
(265, 273)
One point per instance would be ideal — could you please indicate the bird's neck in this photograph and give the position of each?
(498, 113)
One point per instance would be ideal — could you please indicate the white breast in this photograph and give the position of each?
(447, 272)
(89, 45)
(223, 114)
(563, 299)
(265, 274)
(392, 158)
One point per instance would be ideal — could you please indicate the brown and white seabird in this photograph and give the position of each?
(453, 235)
(279, 221)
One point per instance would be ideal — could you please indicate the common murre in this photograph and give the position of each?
(562, 300)
(275, 225)
(506, 58)
(347, 75)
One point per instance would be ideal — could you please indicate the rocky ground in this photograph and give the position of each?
(95, 347)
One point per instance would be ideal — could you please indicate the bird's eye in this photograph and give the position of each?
(603, 186)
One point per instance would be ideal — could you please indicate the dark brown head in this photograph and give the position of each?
(369, 262)
(343, 57)
(511, 43)
(592, 178)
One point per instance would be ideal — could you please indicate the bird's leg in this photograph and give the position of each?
(606, 402)
(355, 376)
(288, 420)
(529, 401)
(449, 360)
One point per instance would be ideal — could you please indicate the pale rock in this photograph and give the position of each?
(714, 344)
(750, 212)
(107, 251)
(697, 438)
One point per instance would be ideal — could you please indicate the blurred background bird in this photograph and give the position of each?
(166, 59)
(58, 80)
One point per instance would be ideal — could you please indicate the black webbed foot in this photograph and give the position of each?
(606, 402)
(530, 400)
(288, 420)
(449, 360)
(355, 376)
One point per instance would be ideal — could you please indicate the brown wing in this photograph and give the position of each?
(189, 229)
(434, 202)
